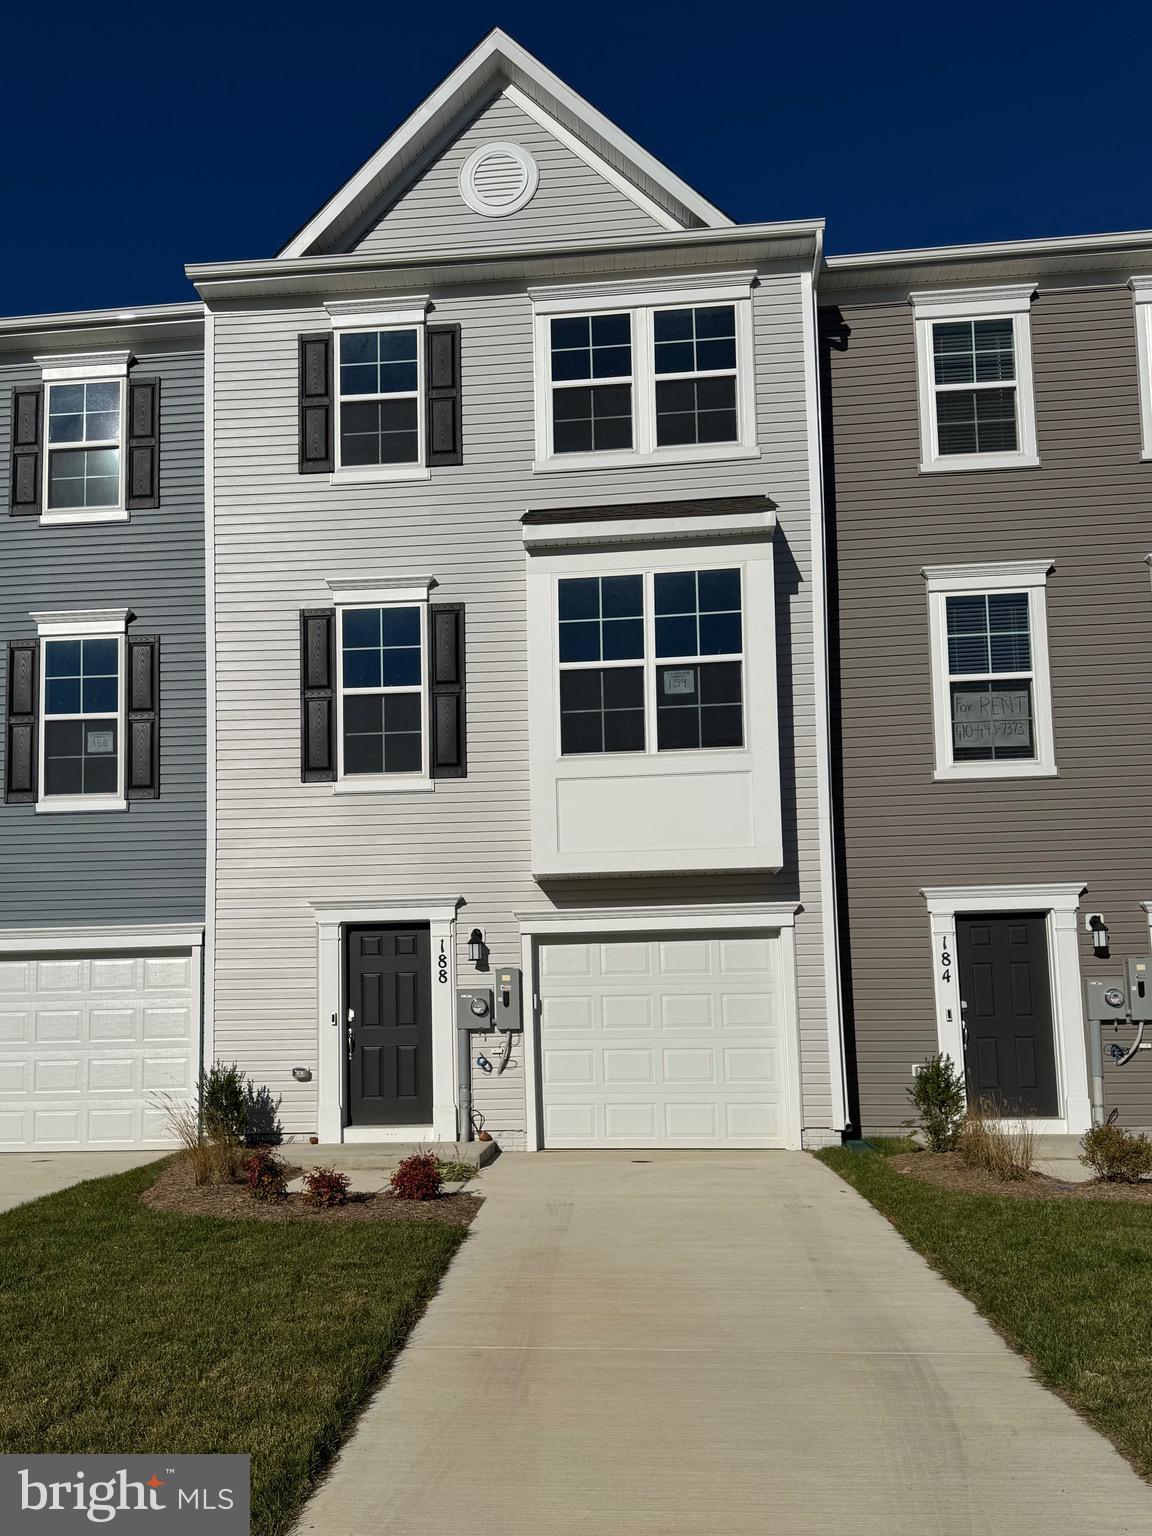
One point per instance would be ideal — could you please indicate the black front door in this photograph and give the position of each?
(389, 1026)
(1006, 1000)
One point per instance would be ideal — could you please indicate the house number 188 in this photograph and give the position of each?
(442, 965)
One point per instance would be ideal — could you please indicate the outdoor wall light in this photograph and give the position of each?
(1098, 928)
(476, 946)
(302, 1074)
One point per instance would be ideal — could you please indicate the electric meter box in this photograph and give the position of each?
(508, 1008)
(1105, 997)
(474, 1008)
(1138, 971)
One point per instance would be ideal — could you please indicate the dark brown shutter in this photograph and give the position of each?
(142, 777)
(20, 731)
(24, 481)
(316, 404)
(445, 437)
(143, 443)
(317, 695)
(448, 724)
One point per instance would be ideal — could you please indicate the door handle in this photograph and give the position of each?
(351, 1045)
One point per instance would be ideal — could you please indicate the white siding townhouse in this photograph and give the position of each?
(517, 647)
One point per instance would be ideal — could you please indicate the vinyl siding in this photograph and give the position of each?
(145, 864)
(279, 536)
(571, 198)
(1086, 507)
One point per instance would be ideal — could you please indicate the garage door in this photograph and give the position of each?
(662, 1040)
(87, 1042)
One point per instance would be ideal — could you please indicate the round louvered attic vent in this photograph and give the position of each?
(498, 179)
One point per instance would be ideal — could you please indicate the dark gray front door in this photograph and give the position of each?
(1009, 1054)
(389, 1024)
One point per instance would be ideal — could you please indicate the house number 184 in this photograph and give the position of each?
(945, 962)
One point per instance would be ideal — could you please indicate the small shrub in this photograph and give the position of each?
(326, 1187)
(1006, 1149)
(267, 1176)
(937, 1095)
(223, 1104)
(417, 1178)
(454, 1172)
(1121, 1156)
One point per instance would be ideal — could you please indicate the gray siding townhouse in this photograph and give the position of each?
(990, 418)
(102, 827)
(518, 653)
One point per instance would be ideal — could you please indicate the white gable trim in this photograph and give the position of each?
(497, 53)
(590, 158)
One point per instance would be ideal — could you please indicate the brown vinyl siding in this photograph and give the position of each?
(1086, 507)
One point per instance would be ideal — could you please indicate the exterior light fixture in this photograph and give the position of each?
(1098, 928)
(476, 946)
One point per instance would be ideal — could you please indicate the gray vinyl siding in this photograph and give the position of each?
(571, 199)
(1087, 508)
(146, 864)
(280, 536)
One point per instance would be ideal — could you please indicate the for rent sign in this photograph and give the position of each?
(148, 1495)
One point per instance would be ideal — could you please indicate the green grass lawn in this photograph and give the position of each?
(126, 1330)
(1068, 1283)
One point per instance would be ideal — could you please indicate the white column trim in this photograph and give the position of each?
(537, 926)
(332, 916)
(1060, 902)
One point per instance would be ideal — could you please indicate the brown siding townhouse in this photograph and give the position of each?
(988, 416)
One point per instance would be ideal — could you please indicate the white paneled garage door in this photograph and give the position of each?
(88, 1042)
(672, 1040)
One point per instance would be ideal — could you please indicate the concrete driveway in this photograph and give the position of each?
(710, 1345)
(28, 1175)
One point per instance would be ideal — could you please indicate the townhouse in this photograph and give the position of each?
(517, 657)
(989, 416)
(102, 829)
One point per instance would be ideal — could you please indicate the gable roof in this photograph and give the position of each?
(496, 62)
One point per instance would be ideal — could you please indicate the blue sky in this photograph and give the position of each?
(142, 136)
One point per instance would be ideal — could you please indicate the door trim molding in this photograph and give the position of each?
(1059, 903)
(614, 921)
(332, 917)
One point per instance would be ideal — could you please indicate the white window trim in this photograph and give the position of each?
(974, 581)
(1142, 313)
(538, 927)
(384, 592)
(82, 624)
(1060, 904)
(976, 304)
(332, 917)
(649, 662)
(371, 316)
(640, 300)
(84, 368)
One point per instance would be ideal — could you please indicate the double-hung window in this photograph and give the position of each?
(84, 458)
(991, 690)
(379, 387)
(623, 376)
(975, 367)
(81, 711)
(650, 661)
(383, 686)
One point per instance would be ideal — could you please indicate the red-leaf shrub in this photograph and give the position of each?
(417, 1178)
(326, 1186)
(267, 1176)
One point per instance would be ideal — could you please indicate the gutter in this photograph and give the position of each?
(1065, 245)
(284, 267)
(81, 319)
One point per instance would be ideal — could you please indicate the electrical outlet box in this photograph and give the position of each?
(1105, 997)
(1138, 972)
(508, 1013)
(474, 1008)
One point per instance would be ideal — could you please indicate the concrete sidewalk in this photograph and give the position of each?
(28, 1175)
(686, 1344)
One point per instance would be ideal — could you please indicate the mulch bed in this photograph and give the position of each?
(175, 1191)
(948, 1171)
